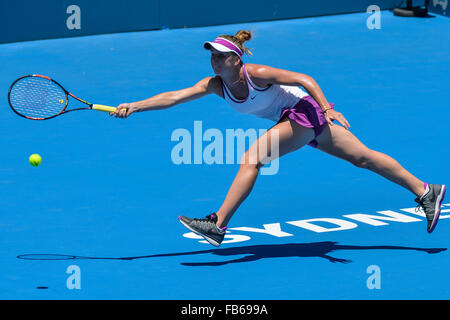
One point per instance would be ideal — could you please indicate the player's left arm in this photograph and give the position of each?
(265, 75)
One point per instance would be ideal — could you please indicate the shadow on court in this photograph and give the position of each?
(252, 253)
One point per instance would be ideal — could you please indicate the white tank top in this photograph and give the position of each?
(266, 102)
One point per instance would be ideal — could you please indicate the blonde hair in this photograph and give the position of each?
(239, 38)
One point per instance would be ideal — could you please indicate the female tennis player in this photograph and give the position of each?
(302, 118)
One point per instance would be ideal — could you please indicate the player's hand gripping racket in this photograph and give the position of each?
(38, 97)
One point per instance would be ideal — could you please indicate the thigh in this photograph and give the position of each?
(341, 143)
(286, 136)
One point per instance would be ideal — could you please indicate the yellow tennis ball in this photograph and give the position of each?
(35, 160)
(61, 101)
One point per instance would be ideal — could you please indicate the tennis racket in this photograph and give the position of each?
(38, 97)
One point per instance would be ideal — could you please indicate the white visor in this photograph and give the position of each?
(222, 45)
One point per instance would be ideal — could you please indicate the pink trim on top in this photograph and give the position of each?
(228, 91)
(251, 83)
(247, 82)
(230, 95)
(221, 86)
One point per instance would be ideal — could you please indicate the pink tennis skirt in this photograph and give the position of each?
(308, 114)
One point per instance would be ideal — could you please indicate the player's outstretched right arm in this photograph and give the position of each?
(169, 99)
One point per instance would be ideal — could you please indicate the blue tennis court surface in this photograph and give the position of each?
(108, 188)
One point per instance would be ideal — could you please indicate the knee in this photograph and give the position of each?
(250, 162)
(364, 161)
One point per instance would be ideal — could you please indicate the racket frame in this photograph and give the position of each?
(91, 106)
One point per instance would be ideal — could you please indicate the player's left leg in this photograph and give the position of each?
(339, 142)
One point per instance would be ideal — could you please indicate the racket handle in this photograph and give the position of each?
(100, 107)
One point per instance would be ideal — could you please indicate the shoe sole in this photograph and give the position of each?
(437, 209)
(210, 240)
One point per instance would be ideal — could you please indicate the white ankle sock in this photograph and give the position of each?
(427, 188)
(221, 229)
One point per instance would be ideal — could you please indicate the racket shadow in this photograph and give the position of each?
(251, 253)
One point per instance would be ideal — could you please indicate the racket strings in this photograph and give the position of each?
(37, 97)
